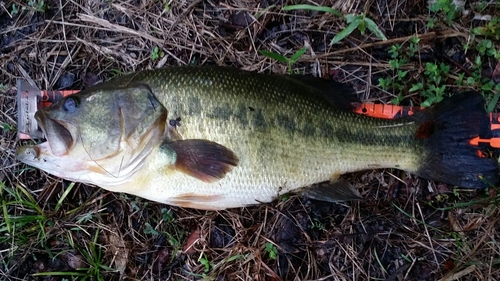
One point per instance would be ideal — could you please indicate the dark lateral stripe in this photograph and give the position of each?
(253, 118)
(368, 139)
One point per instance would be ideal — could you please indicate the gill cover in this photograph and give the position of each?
(102, 121)
(113, 118)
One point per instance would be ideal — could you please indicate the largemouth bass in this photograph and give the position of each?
(216, 138)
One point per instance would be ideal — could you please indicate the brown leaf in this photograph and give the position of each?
(237, 21)
(119, 250)
(161, 260)
(189, 248)
(449, 264)
(455, 225)
(74, 261)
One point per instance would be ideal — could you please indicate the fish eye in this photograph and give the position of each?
(70, 104)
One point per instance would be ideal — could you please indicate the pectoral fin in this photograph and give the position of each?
(202, 159)
(333, 191)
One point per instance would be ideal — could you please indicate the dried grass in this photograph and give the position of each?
(392, 235)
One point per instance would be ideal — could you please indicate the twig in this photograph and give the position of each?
(107, 51)
(458, 275)
(182, 16)
(381, 43)
(427, 234)
(119, 28)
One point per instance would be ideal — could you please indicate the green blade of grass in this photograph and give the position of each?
(263, 11)
(417, 220)
(274, 56)
(59, 273)
(298, 54)
(372, 26)
(348, 30)
(31, 202)
(27, 218)
(468, 204)
(312, 8)
(378, 260)
(68, 190)
(236, 257)
(6, 217)
(493, 102)
(352, 17)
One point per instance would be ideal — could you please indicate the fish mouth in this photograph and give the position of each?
(57, 134)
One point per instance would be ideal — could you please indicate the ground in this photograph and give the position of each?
(406, 228)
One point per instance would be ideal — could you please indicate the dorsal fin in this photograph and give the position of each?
(337, 94)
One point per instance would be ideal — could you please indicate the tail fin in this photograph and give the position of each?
(446, 129)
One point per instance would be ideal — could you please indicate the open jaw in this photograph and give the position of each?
(69, 166)
(57, 134)
(50, 155)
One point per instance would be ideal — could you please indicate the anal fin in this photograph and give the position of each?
(332, 191)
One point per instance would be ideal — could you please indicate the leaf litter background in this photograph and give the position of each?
(401, 231)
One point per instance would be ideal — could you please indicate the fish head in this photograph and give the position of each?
(98, 136)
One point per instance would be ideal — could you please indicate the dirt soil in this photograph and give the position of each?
(406, 228)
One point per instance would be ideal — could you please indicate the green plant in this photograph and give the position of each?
(81, 219)
(6, 127)
(406, 258)
(271, 250)
(166, 5)
(289, 61)
(312, 8)
(447, 9)
(204, 261)
(400, 56)
(431, 22)
(413, 46)
(38, 5)
(379, 262)
(316, 224)
(484, 200)
(237, 257)
(93, 258)
(433, 88)
(148, 229)
(3, 87)
(64, 195)
(174, 234)
(14, 11)
(360, 22)
(284, 197)
(421, 222)
(21, 228)
(167, 215)
(492, 103)
(491, 29)
(485, 48)
(156, 53)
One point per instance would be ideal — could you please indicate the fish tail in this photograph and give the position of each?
(446, 131)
